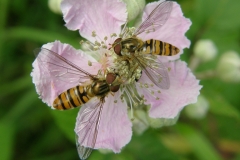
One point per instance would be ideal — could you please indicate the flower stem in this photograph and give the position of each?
(206, 74)
(3, 18)
(194, 62)
(38, 35)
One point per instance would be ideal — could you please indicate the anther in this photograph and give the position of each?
(94, 34)
(113, 35)
(89, 63)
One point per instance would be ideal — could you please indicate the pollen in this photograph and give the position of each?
(94, 34)
(89, 63)
(146, 85)
(113, 35)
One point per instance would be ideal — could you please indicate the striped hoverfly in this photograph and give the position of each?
(132, 49)
(62, 69)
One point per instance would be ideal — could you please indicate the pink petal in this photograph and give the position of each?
(184, 89)
(48, 87)
(173, 31)
(115, 127)
(103, 16)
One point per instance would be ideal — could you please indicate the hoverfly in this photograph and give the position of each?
(135, 49)
(96, 88)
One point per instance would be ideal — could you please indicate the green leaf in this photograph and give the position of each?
(6, 140)
(21, 106)
(16, 85)
(149, 146)
(201, 146)
(66, 121)
(215, 20)
(220, 106)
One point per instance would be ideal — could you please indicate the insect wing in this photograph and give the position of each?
(59, 67)
(155, 71)
(156, 19)
(87, 127)
(83, 152)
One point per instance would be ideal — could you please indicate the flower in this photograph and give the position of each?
(100, 23)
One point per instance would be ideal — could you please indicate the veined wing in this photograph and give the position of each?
(156, 19)
(59, 67)
(87, 129)
(83, 152)
(156, 72)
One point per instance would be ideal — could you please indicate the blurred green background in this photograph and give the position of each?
(29, 130)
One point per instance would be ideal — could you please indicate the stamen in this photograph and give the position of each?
(89, 63)
(113, 35)
(94, 34)
(152, 91)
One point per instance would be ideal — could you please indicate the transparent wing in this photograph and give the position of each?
(88, 124)
(156, 19)
(156, 71)
(83, 152)
(59, 67)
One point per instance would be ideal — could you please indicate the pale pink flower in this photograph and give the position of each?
(96, 20)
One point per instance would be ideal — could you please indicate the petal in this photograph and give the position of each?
(184, 89)
(173, 31)
(114, 128)
(48, 87)
(103, 16)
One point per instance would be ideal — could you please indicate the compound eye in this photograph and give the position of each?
(114, 88)
(110, 78)
(117, 46)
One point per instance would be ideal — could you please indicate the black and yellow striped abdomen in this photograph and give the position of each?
(73, 97)
(159, 48)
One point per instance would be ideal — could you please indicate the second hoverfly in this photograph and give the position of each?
(90, 88)
(155, 20)
(132, 50)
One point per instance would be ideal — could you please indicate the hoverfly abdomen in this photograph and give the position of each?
(159, 48)
(73, 97)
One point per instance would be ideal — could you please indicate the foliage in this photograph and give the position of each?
(30, 130)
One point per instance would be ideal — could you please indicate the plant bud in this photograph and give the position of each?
(228, 68)
(54, 6)
(205, 50)
(197, 110)
(160, 122)
(134, 8)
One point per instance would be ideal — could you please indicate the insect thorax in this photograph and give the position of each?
(130, 45)
(99, 87)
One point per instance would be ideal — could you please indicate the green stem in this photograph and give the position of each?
(3, 15)
(206, 74)
(3, 18)
(38, 35)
